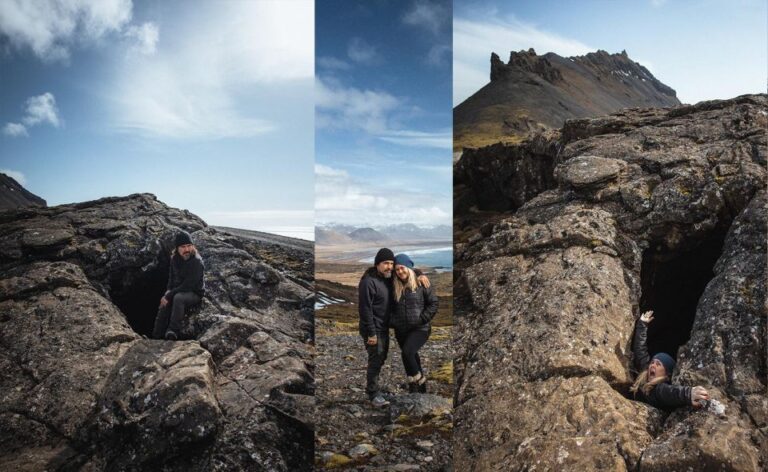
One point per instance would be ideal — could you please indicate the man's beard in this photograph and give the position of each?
(387, 275)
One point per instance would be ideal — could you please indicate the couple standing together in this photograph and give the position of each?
(405, 302)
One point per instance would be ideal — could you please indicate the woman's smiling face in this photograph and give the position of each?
(402, 272)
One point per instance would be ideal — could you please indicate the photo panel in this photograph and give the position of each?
(156, 244)
(610, 236)
(383, 271)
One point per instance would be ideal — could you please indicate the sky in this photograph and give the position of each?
(383, 112)
(704, 49)
(207, 105)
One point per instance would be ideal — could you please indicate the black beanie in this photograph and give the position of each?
(182, 238)
(384, 254)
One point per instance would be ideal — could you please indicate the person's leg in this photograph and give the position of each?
(377, 355)
(161, 322)
(181, 301)
(413, 341)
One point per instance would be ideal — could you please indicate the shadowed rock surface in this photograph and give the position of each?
(661, 209)
(83, 389)
(13, 195)
(532, 93)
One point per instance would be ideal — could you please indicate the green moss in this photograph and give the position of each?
(443, 374)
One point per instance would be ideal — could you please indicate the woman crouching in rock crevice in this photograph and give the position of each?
(653, 383)
(414, 308)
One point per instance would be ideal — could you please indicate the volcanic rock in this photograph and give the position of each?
(661, 209)
(532, 93)
(83, 389)
(13, 195)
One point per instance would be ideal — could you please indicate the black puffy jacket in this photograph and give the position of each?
(664, 395)
(414, 310)
(185, 276)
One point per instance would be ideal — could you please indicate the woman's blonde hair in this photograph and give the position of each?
(644, 385)
(410, 284)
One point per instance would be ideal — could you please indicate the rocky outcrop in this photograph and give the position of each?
(532, 93)
(84, 389)
(639, 207)
(13, 195)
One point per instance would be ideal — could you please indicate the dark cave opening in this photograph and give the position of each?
(137, 293)
(672, 284)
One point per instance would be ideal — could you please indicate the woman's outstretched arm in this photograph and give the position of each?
(639, 344)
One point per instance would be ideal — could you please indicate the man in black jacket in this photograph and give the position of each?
(186, 287)
(375, 303)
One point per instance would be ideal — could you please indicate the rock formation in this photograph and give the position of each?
(533, 93)
(13, 195)
(84, 389)
(661, 209)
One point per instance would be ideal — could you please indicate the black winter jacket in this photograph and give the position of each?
(664, 395)
(374, 295)
(185, 276)
(414, 310)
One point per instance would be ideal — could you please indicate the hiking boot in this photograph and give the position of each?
(171, 336)
(422, 386)
(379, 401)
(413, 387)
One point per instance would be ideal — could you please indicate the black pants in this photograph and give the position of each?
(410, 342)
(175, 311)
(377, 355)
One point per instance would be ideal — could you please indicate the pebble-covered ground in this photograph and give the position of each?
(414, 433)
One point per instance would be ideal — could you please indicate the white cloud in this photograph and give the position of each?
(145, 37)
(213, 58)
(50, 29)
(339, 198)
(371, 112)
(475, 40)
(438, 54)
(41, 109)
(15, 175)
(360, 51)
(352, 108)
(15, 130)
(440, 140)
(328, 62)
(428, 15)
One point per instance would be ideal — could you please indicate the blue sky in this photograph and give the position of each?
(208, 105)
(705, 49)
(383, 95)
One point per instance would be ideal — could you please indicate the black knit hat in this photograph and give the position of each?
(384, 254)
(182, 238)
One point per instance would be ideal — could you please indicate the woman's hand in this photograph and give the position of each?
(647, 317)
(698, 393)
(372, 341)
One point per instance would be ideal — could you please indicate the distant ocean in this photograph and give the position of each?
(440, 258)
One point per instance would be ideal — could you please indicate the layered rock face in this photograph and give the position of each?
(532, 93)
(661, 209)
(84, 389)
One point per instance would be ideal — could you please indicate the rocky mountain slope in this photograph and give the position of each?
(581, 230)
(13, 195)
(84, 389)
(533, 93)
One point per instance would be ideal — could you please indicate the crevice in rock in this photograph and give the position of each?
(137, 291)
(672, 283)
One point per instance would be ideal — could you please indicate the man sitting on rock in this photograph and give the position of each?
(185, 288)
(375, 303)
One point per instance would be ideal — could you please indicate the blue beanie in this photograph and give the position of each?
(667, 361)
(404, 260)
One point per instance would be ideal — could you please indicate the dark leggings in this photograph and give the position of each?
(410, 342)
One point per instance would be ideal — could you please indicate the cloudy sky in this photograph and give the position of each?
(208, 105)
(710, 49)
(383, 95)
